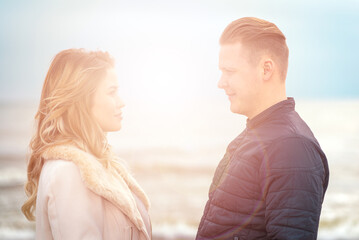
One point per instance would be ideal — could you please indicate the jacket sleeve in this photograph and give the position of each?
(74, 211)
(293, 184)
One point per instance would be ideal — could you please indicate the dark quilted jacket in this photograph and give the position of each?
(271, 182)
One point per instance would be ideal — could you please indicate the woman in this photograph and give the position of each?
(77, 186)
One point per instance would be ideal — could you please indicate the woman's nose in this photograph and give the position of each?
(120, 103)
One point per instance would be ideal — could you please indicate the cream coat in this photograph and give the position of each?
(78, 198)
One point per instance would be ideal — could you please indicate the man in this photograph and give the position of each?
(271, 182)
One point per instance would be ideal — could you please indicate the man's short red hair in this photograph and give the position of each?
(259, 37)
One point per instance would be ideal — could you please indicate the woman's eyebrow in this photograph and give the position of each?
(113, 87)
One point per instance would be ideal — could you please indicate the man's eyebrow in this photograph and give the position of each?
(226, 69)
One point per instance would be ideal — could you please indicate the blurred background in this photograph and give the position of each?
(177, 123)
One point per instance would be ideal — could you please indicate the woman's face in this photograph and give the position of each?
(107, 105)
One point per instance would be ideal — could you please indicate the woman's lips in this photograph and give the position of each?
(119, 115)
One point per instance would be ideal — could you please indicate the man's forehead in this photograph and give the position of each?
(230, 55)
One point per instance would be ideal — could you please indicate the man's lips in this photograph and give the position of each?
(230, 94)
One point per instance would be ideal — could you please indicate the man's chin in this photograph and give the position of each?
(235, 109)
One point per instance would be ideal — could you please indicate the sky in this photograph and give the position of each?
(168, 50)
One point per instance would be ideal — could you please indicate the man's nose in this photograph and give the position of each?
(222, 83)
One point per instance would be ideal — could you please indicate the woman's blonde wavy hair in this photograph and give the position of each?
(64, 115)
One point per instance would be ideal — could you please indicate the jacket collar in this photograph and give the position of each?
(113, 183)
(275, 110)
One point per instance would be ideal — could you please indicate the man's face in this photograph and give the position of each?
(241, 79)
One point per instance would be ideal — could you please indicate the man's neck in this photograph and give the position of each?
(267, 104)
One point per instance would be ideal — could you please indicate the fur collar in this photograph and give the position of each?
(113, 183)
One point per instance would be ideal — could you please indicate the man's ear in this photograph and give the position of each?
(268, 69)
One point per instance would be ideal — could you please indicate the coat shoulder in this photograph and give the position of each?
(60, 173)
(59, 168)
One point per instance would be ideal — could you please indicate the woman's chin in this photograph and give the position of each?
(114, 128)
